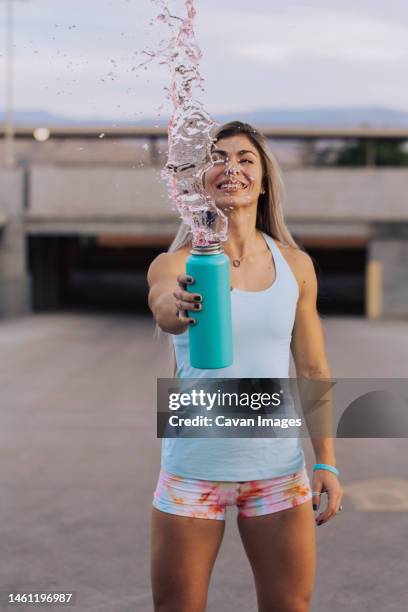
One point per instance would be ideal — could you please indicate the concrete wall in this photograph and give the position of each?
(139, 196)
(102, 192)
(90, 200)
(14, 280)
(347, 194)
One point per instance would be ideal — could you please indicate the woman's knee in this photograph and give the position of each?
(174, 602)
(286, 603)
(174, 592)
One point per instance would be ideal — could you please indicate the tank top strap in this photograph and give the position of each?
(284, 273)
(277, 255)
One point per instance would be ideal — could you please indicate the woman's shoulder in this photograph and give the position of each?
(171, 260)
(180, 256)
(295, 254)
(299, 261)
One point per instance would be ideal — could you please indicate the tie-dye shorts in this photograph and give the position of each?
(209, 499)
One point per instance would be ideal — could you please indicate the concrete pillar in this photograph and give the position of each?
(389, 248)
(14, 280)
(308, 152)
(370, 153)
(374, 289)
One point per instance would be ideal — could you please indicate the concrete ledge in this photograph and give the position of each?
(93, 226)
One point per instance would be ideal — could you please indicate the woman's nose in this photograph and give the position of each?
(230, 169)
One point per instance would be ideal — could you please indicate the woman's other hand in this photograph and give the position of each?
(326, 482)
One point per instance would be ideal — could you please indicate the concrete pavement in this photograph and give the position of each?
(79, 460)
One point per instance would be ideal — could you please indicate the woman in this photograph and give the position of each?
(273, 299)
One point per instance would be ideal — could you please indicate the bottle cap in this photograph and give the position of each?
(209, 249)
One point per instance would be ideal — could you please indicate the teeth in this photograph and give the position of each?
(230, 185)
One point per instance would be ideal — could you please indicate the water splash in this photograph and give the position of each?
(190, 128)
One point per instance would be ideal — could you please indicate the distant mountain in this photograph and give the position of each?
(373, 116)
(39, 118)
(351, 117)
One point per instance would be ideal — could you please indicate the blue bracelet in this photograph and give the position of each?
(324, 466)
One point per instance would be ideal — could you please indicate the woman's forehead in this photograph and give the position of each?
(233, 144)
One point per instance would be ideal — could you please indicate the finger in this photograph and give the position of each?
(316, 495)
(325, 517)
(186, 296)
(185, 279)
(190, 306)
(183, 316)
(187, 320)
(330, 511)
(180, 282)
(183, 313)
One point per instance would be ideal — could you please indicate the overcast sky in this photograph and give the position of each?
(75, 57)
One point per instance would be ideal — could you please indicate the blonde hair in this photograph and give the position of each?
(269, 218)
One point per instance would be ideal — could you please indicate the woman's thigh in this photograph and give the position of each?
(182, 555)
(281, 548)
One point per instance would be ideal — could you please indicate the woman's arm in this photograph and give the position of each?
(168, 300)
(307, 345)
(311, 362)
(162, 280)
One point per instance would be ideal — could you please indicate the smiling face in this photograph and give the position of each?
(235, 179)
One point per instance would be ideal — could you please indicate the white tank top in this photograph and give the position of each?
(262, 323)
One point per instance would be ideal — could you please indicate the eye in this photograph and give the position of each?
(216, 159)
(248, 161)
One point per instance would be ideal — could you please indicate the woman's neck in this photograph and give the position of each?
(243, 236)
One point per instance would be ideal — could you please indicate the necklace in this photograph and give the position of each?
(237, 262)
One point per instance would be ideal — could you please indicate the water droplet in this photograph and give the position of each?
(189, 129)
(101, 135)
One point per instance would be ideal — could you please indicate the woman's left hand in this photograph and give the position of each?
(326, 482)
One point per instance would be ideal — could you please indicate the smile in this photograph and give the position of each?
(231, 186)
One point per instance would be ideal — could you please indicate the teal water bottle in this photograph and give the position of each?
(211, 336)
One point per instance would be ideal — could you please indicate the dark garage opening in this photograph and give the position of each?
(78, 273)
(341, 273)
